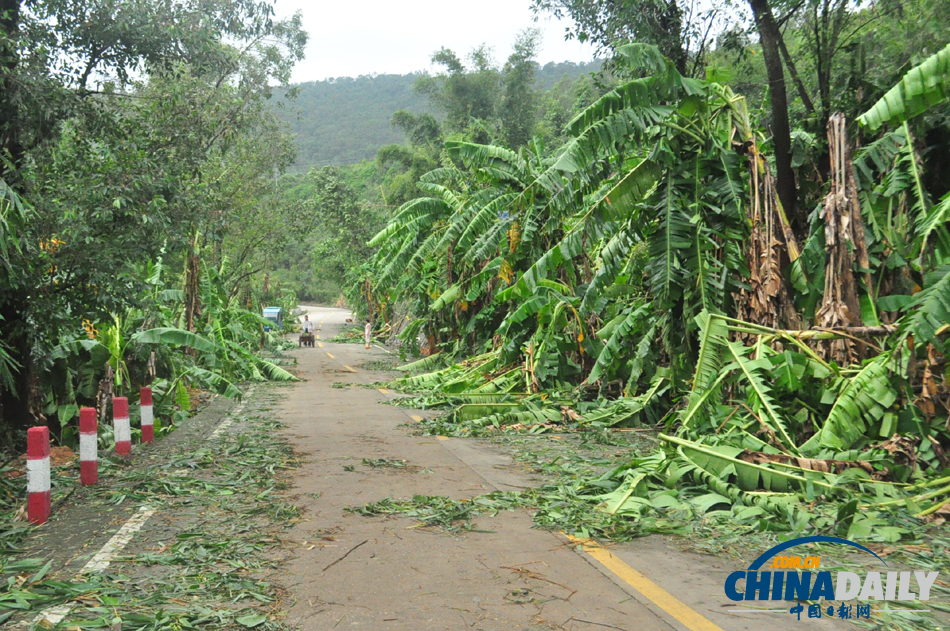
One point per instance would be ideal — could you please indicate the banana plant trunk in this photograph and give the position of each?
(845, 243)
(192, 298)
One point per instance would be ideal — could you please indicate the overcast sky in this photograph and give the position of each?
(349, 38)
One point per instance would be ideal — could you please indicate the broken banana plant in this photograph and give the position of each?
(646, 277)
(846, 249)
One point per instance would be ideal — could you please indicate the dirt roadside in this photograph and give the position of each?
(80, 525)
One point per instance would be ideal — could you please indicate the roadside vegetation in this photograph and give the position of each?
(137, 215)
(636, 279)
(783, 341)
(137, 161)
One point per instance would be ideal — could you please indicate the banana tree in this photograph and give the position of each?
(893, 194)
(114, 342)
(644, 200)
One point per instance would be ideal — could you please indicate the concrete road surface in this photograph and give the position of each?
(352, 571)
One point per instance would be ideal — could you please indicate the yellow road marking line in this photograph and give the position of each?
(442, 437)
(348, 368)
(416, 418)
(330, 356)
(319, 344)
(318, 337)
(383, 390)
(659, 596)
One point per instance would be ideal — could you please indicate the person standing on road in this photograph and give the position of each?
(368, 332)
(307, 325)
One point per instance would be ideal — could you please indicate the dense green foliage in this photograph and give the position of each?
(804, 60)
(338, 223)
(344, 207)
(645, 273)
(168, 165)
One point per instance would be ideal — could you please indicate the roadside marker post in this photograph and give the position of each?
(148, 427)
(121, 429)
(37, 475)
(88, 447)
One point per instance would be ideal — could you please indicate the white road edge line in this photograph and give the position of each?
(119, 540)
(226, 423)
(53, 615)
(221, 427)
(112, 547)
(101, 560)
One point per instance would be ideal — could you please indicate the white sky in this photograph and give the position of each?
(349, 38)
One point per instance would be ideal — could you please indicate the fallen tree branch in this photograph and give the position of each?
(346, 555)
(599, 624)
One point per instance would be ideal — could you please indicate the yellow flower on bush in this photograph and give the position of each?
(91, 331)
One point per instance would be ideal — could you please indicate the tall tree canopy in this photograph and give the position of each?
(129, 128)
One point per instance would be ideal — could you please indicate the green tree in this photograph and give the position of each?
(468, 98)
(682, 31)
(685, 35)
(113, 172)
(344, 222)
(421, 130)
(519, 105)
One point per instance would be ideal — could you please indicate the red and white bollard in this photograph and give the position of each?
(37, 475)
(145, 403)
(121, 429)
(88, 447)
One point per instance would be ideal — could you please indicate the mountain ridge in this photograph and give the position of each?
(345, 120)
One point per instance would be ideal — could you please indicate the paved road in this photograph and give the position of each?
(396, 576)
(345, 570)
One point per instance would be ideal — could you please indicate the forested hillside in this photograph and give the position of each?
(346, 120)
